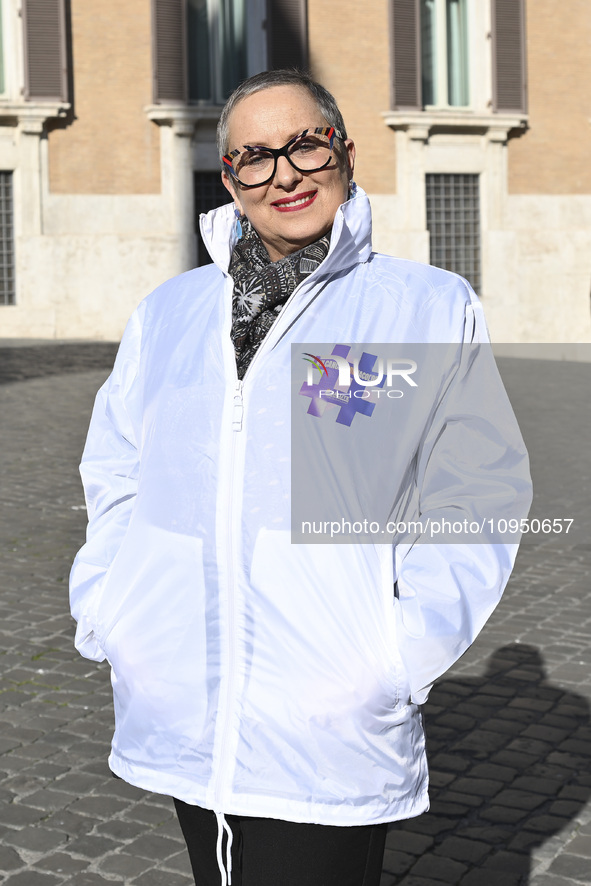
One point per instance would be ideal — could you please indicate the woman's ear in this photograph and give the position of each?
(350, 148)
(230, 186)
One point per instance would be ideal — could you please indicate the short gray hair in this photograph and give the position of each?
(283, 77)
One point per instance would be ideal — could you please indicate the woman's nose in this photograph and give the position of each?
(285, 174)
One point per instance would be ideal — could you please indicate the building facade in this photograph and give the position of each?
(472, 120)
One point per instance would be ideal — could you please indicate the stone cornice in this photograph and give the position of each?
(183, 118)
(421, 124)
(31, 117)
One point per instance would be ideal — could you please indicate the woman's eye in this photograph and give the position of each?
(254, 158)
(305, 147)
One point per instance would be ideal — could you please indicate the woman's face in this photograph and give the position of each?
(270, 118)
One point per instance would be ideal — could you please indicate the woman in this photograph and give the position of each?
(274, 689)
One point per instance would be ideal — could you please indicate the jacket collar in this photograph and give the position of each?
(350, 239)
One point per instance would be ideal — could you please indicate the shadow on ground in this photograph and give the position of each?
(509, 755)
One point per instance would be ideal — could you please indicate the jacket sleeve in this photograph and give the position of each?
(472, 465)
(109, 470)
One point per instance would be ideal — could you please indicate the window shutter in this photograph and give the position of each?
(169, 18)
(509, 68)
(287, 34)
(406, 51)
(46, 74)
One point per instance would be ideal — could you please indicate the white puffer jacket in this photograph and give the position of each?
(251, 675)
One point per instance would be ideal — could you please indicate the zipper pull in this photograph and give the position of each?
(238, 410)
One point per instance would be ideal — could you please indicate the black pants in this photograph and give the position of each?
(270, 852)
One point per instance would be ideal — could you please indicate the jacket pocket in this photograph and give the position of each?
(150, 586)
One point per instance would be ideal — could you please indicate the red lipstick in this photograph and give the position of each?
(286, 204)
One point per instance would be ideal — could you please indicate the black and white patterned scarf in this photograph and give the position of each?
(261, 288)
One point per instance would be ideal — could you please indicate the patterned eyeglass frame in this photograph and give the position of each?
(330, 131)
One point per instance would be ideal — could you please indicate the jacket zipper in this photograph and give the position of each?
(230, 693)
(225, 711)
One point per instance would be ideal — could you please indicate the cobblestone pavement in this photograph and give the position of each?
(508, 727)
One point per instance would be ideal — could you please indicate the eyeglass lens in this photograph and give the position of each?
(308, 153)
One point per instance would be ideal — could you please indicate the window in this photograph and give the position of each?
(204, 48)
(444, 54)
(217, 50)
(209, 194)
(2, 87)
(453, 222)
(6, 240)
(440, 49)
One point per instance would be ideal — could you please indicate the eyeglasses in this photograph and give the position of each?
(310, 151)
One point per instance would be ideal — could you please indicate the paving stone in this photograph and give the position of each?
(519, 799)
(90, 846)
(119, 829)
(514, 759)
(397, 862)
(566, 808)
(580, 846)
(10, 860)
(16, 815)
(65, 820)
(36, 839)
(157, 877)
(152, 815)
(439, 779)
(406, 841)
(170, 828)
(179, 863)
(481, 786)
(551, 880)
(510, 862)
(537, 785)
(98, 807)
(125, 865)
(411, 880)
(573, 746)
(443, 807)
(485, 833)
(429, 824)
(48, 799)
(491, 878)
(459, 849)
(62, 863)
(87, 878)
(493, 772)
(439, 868)
(546, 824)
(480, 742)
(77, 783)
(575, 866)
(32, 878)
(152, 846)
(452, 762)
(114, 787)
(503, 814)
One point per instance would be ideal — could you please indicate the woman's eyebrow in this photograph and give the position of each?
(258, 143)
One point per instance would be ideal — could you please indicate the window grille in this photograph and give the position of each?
(6, 240)
(453, 221)
(209, 193)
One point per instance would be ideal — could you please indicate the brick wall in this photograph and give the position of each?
(554, 156)
(110, 147)
(349, 54)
